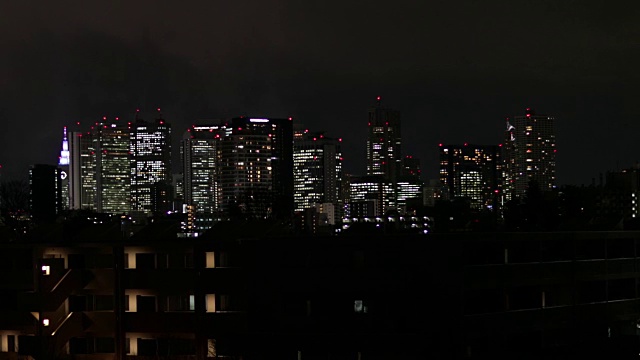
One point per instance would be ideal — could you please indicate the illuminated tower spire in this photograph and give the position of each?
(63, 164)
(64, 153)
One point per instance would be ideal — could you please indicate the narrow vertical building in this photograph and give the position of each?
(150, 147)
(45, 192)
(82, 171)
(113, 174)
(384, 145)
(409, 185)
(317, 169)
(529, 154)
(200, 184)
(63, 165)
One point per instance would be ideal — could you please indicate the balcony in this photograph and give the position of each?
(53, 296)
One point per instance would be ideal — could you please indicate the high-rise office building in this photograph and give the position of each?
(472, 172)
(45, 192)
(200, 184)
(63, 165)
(150, 148)
(529, 153)
(371, 196)
(256, 168)
(241, 167)
(82, 171)
(113, 174)
(317, 168)
(384, 145)
(409, 185)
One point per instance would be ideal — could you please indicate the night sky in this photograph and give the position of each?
(455, 70)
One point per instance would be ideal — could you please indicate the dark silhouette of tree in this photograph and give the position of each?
(14, 196)
(14, 205)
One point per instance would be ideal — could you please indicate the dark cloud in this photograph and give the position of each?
(454, 68)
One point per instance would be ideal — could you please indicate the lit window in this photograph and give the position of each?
(359, 307)
(45, 322)
(46, 270)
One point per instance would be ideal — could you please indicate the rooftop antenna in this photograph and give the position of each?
(378, 100)
(137, 112)
(159, 114)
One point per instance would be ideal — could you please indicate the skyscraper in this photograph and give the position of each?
(150, 147)
(113, 174)
(529, 153)
(82, 171)
(256, 168)
(384, 145)
(473, 172)
(241, 167)
(409, 185)
(63, 165)
(199, 148)
(317, 167)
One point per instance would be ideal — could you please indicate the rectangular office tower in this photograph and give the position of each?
(370, 196)
(201, 189)
(63, 164)
(384, 145)
(409, 185)
(82, 171)
(113, 174)
(150, 147)
(472, 172)
(529, 154)
(256, 168)
(317, 167)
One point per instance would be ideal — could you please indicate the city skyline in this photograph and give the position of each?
(454, 71)
(357, 166)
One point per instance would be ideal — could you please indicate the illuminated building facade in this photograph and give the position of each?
(371, 196)
(150, 147)
(384, 145)
(63, 165)
(82, 171)
(317, 167)
(472, 172)
(406, 190)
(256, 168)
(200, 185)
(529, 153)
(113, 174)
(409, 185)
